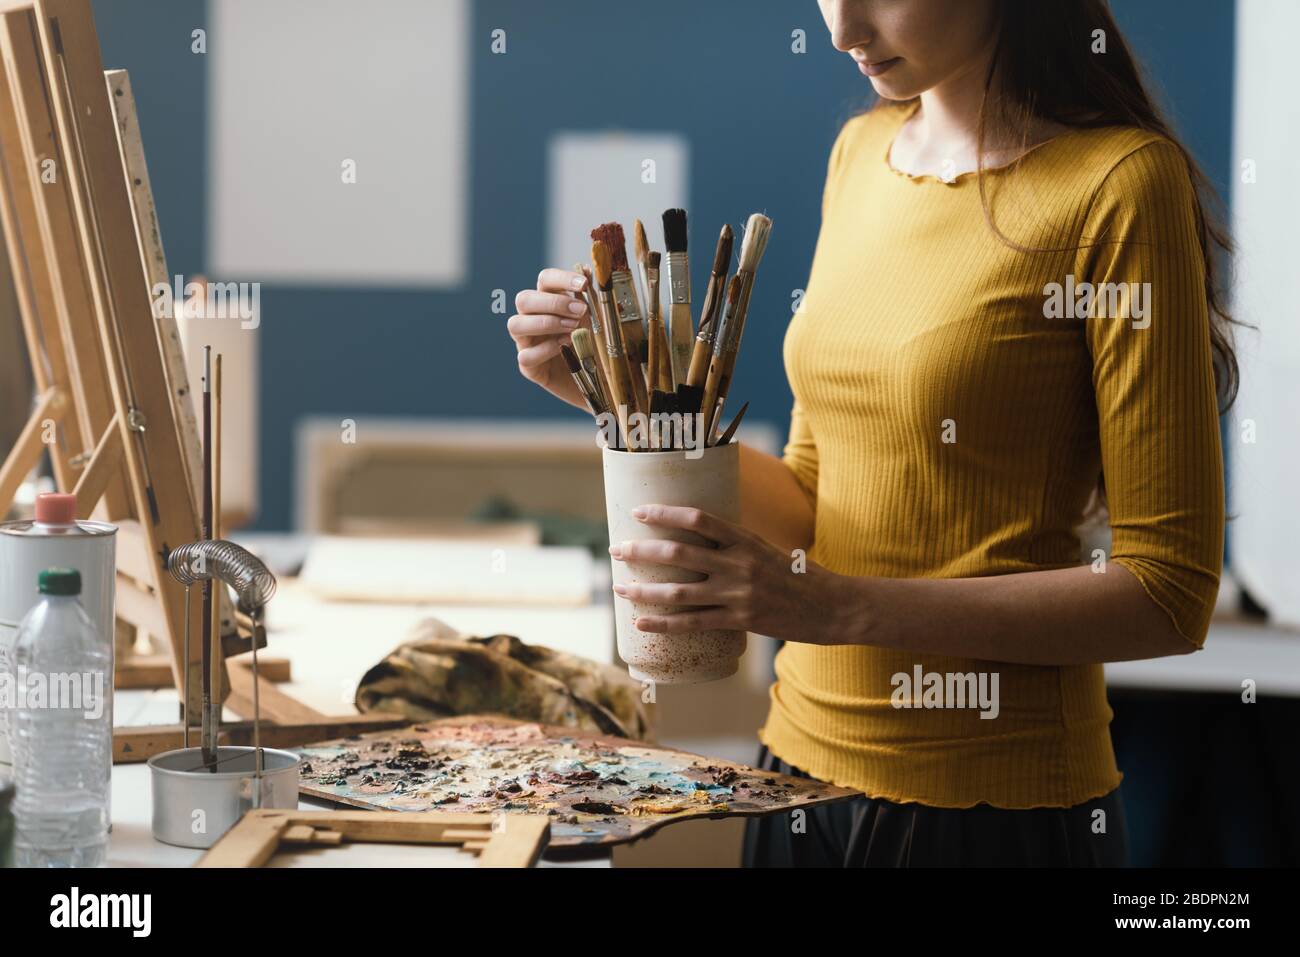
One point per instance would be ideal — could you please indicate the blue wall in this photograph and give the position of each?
(353, 353)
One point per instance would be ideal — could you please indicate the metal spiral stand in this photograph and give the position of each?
(254, 585)
(200, 793)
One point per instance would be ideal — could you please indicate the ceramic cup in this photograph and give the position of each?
(708, 481)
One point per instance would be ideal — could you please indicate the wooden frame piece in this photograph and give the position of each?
(139, 744)
(501, 840)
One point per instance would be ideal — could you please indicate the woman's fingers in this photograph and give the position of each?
(691, 520)
(706, 619)
(525, 327)
(531, 357)
(560, 280)
(670, 593)
(534, 302)
(660, 552)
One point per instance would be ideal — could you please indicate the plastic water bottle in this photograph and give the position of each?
(6, 685)
(62, 738)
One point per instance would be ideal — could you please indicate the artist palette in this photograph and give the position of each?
(595, 789)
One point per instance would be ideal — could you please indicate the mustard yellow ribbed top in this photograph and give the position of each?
(945, 427)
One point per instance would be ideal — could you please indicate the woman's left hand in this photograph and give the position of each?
(751, 585)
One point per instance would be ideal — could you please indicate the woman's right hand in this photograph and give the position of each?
(546, 318)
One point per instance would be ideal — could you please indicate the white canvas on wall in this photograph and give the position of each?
(338, 140)
(595, 178)
(1262, 445)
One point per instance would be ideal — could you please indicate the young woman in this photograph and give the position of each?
(1012, 313)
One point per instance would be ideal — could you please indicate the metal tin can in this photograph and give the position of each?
(193, 807)
(29, 547)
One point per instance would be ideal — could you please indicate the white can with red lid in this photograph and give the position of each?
(55, 539)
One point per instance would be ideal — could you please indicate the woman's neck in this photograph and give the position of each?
(948, 121)
(942, 136)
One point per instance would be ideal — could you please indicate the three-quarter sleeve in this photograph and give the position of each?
(1152, 372)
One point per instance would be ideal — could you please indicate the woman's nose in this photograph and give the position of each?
(849, 28)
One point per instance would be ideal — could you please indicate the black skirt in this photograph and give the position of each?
(871, 832)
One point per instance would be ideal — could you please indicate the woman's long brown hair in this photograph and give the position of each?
(1043, 68)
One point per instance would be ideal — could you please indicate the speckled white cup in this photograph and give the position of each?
(710, 482)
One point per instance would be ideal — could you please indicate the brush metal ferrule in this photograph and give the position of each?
(652, 293)
(679, 278)
(629, 309)
(613, 340)
(590, 299)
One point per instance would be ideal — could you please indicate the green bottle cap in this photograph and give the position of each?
(60, 581)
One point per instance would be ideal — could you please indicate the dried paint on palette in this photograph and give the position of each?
(595, 789)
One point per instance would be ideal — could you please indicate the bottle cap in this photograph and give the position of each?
(56, 508)
(60, 581)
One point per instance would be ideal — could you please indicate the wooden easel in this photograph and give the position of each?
(113, 399)
(113, 403)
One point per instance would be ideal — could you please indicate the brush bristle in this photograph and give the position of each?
(601, 263)
(652, 260)
(611, 234)
(584, 344)
(675, 230)
(642, 244)
(722, 258)
(757, 231)
(570, 359)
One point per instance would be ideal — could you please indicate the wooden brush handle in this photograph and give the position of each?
(659, 361)
(654, 351)
(712, 389)
(600, 376)
(680, 335)
(699, 370)
(665, 370)
(640, 391)
(622, 396)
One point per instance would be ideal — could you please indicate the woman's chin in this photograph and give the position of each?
(889, 88)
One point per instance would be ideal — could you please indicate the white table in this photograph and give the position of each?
(329, 647)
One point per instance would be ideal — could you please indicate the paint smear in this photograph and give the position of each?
(596, 789)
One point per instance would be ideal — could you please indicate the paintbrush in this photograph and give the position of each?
(584, 348)
(727, 338)
(207, 733)
(735, 424)
(627, 307)
(678, 268)
(642, 246)
(717, 362)
(213, 724)
(621, 393)
(582, 380)
(596, 328)
(714, 296)
(658, 363)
